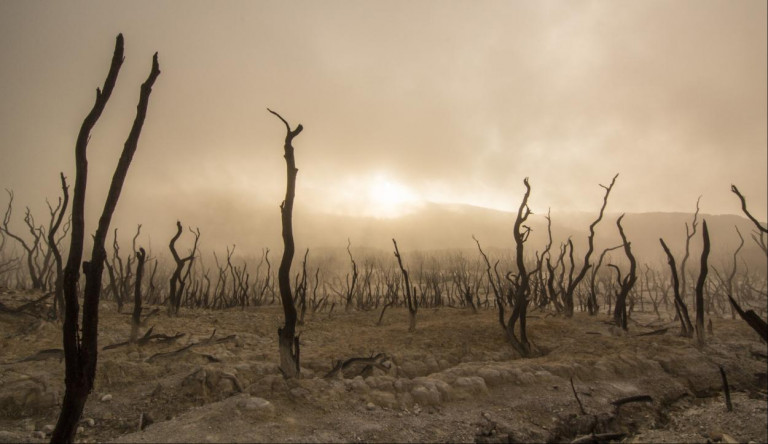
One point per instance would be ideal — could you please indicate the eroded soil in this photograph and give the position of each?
(454, 379)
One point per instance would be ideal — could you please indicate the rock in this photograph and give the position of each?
(24, 395)
(106, 398)
(471, 385)
(412, 369)
(256, 405)
(431, 365)
(80, 430)
(88, 422)
(491, 376)
(426, 395)
(383, 399)
(48, 429)
(358, 385)
(145, 420)
(299, 392)
(37, 434)
(370, 406)
(402, 385)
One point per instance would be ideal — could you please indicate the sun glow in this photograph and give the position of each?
(388, 198)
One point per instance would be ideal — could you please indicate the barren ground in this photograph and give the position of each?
(454, 379)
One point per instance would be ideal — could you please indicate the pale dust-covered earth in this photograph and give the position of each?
(455, 379)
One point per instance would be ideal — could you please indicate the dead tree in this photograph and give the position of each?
(689, 233)
(732, 275)
(32, 248)
(700, 285)
(761, 231)
(572, 284)
(177, 282)
(626, 284)
(7, 264)
(410, 299)
(288, 341)
(520, 289)
(80, 349)
(686, 328)
(351, 285)
(301, 289)
(58, 310)
(141, 257)
(592, 306)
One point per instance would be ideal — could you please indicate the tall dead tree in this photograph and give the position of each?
(52, 244)
(686, 328)
(700, 285)
(81, 349)
(520, 289)
(177, 282)
(410, 299)
(288, 341)
(572, 284)
(141, 257)
(625, 284)
(689, 233)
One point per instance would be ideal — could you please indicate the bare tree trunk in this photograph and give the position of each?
(288, 341)
(81, 353)
(410, 299)
(572, 284)
(58, 285)
(141, 256)
(700, 285)
(686, 328)
(626, 284)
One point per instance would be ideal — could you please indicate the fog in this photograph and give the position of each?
(403, 104)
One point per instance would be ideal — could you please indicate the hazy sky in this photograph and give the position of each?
(402, 101)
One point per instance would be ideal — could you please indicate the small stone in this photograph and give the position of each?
(48, 428)
(90, 422)
(106, 398)
(80, 430)
(370, 406)
(255, 404)
(38, 434)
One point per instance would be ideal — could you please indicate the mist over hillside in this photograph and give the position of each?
(434, 227)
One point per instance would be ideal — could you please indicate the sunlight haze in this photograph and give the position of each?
(403, 103)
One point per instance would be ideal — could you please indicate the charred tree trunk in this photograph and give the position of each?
(141, 257)
(686, 328)
(700, 285)
(521, 283)
(626, 284)
(80, 352)
(288, 341)
(177, 282)
(58, 285)
(572, 284)
(410, 299)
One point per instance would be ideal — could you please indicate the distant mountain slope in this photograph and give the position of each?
(440, 226)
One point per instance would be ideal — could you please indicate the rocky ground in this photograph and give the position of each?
(454, 379)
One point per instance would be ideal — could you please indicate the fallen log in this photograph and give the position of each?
(660, 331)
(629, 399)
(599, 438)
(345, 368)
